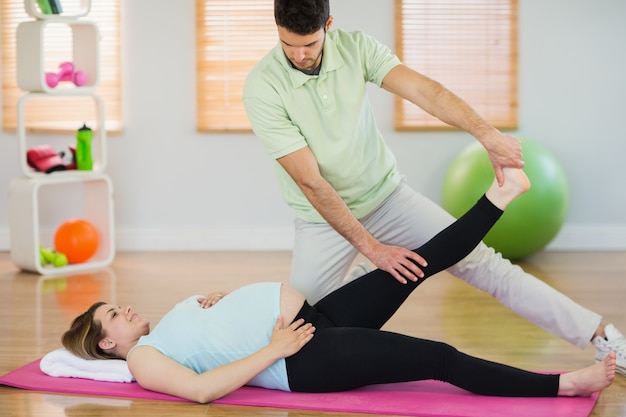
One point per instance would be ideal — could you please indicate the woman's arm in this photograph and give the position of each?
(157, 372)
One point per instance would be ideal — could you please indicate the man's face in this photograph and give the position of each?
(304, 51)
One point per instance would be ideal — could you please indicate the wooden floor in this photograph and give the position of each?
(35, 310)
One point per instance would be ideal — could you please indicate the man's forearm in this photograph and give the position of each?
(453, 110)
(337, 214)
(434, 98)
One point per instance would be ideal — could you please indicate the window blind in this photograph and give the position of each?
(470, 46)
(231, 37)
(63, 114)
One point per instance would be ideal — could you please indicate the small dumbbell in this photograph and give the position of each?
(66, 73)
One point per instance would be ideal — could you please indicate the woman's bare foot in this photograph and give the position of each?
(515, 183)
(586, 381)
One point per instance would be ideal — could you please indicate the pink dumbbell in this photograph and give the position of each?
(66, 73)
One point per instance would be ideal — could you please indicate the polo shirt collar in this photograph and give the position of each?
(331, 60)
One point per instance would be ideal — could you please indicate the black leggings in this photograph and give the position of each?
(349, 350)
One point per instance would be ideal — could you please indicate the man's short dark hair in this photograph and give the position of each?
(302, 17)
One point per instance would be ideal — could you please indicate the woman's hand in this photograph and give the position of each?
(289, 340)
(211, 299)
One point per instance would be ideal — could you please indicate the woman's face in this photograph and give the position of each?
(121, 325)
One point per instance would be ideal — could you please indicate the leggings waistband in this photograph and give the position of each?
(311, 315)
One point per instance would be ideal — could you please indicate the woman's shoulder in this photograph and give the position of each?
(141, 355)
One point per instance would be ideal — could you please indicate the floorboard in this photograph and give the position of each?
(35, 310)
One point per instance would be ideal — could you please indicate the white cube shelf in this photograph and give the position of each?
(33, 61)
(76, 9)
(27, 210)
(98, 145)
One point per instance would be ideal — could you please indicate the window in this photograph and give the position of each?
(232, 36)
(62, 114)
(470, 46)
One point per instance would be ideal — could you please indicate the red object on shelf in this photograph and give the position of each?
(45, 159)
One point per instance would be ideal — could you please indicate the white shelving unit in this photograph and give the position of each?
(88, 194)
(82, 9)
(99, 135)
(31, 53)
(27, 196)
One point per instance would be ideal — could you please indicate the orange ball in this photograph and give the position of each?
(77, 239)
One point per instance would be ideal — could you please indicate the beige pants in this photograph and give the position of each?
(321, 259)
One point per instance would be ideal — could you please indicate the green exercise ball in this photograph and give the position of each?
(533, 219)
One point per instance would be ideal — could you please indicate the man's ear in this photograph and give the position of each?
(106, 344)
(329, 23)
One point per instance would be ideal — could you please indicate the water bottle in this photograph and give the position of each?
(84, 161)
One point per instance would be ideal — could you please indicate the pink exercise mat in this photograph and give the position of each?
(424, 398)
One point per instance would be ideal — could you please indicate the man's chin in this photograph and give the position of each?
(302, 67)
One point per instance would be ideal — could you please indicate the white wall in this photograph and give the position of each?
(178, 189)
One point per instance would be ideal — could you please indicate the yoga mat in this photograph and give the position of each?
(423, 398)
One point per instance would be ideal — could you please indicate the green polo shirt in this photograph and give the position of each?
(330, 113)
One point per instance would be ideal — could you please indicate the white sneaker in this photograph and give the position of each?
(614, 341)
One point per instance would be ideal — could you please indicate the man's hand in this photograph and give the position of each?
(401, 263)
(504, 151)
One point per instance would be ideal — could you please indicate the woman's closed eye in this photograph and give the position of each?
(113, 312)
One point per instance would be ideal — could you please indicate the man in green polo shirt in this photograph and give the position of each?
(307, 102)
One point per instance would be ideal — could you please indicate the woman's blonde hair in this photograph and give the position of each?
(84, 334)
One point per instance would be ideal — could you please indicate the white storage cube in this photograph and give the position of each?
(33, 58)
(98, 145)
(71, 10)
(39, 205)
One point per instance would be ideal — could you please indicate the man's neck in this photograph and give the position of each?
(314, 71)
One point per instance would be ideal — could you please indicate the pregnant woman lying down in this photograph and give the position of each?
(267, 335)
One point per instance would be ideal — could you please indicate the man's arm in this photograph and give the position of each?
(302, 167)
(434, 98)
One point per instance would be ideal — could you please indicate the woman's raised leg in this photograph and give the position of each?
(369, 301)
